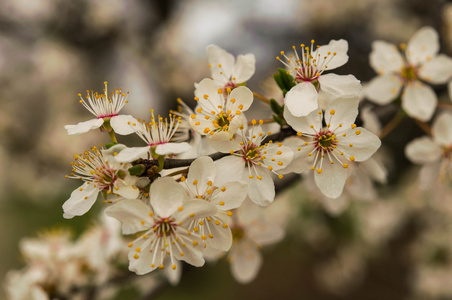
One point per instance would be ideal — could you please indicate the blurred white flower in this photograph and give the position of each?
(421, 62)
(434, 153)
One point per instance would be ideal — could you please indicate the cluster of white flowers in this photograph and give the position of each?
(198, 209)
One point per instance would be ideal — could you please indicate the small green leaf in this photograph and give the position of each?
(137, 170)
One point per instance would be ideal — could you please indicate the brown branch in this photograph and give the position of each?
(261, 97)
(424, 126)
(392, 124)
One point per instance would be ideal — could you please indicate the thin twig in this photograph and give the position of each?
(445, 105)
(261, 97)
(391, 125)
(424, 126)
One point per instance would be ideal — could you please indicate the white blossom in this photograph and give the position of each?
(102, 173)
(165, 227)
(228, 72)
(434, 153)
(328, 150)
(421, 62)
(106, 109)
(307, 70)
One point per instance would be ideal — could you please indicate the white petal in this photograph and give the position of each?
(383, 89)
(166, 196)
(339, 47)
(340, 85)
(222, 237)
(233, 196)
(226, 166)
(142, 265)
(244, 67)
(133, 214)
(208, 87)
(344, 112)
(245, 261)
(442, 129)
(194, 209)
(359, 185)
(375, 169)
(172, 148)
(202, 170)
(419, 101)
(449, 89)
(370, 120)
(301, 160)
(81, 200)
(126, 190)
(192, 254)
(280, 160)
(424, 44)
(243, 96)
(262, 191)
(134, 153)
(221, 141)
(265, 233)
(423, 150)
(429, 174)
(217, 56)
(332, 179)
(173, 275)
(438, 70)
(121, 124)
(364, 145)
(111, 151)
(385, 58)
(302, 99)
(83, 127)
(303, 124)
(336, 206)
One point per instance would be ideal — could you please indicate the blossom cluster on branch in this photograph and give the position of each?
(197, 188)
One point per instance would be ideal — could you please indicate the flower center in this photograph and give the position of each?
(408, 73)
(105, 178)
(325, 140)
(165, 227)
(222, 122)
(237, 233)
(251, 152)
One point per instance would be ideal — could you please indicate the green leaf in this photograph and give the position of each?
(137, 170)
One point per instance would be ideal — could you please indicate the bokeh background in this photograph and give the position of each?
(51, 50)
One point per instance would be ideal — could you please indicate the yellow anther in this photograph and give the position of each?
(136, 256)
(138, 249)
(332, 112)
(358, 132)
(130, 245)
(180, 208)
(352, 158)
(225, 225)
(353, 126)
(221, 203)
(195, 243)
(345, 166)
(319, 171)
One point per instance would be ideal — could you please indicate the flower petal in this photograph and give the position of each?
(302, 99)
(245, 261)
(166, 196)
(342, 113)
(331, 181)
(134, 153)
(232, 197)
(265, 233)
(340, 85)
(261, 191)
(301, 160)
(218, 56)
(364, 144)
(191, 254)
(383, 89)
(429, 174)
(423, 150)
(81, 200)
(303, 124)
(207, 88)
(244, 68)
(419, 101)
(126, 190)
(243, 99)
(438, 70)
(338, 49)
(222, 237)
(122, 124)
(172, 148)
(83, 127)
(133, 214)
(370, 120)
(202, 170)
(226, 166)
(141, 263)
(423, 45)
(385, 58)
(194, 209)
(442, 129)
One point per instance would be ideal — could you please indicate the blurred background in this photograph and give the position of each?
(51, 50)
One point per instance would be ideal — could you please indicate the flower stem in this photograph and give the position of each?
(424, 126)
(261, 97)
(445, 105)
(111, 133)
(391, 125)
